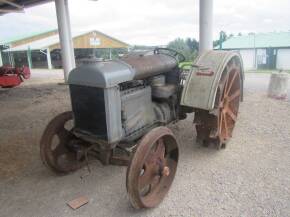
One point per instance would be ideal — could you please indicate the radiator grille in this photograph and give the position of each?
(88, 105)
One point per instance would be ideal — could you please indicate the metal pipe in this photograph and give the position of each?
(64, 29)
(49, 65)
(69, 32)
(205, 25)
(1, 62)
(29, 59)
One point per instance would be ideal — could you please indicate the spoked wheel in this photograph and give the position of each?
(217, 126)
(56, 146)
(152, 168)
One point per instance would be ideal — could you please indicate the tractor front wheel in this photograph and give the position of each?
(57, 145)
(152, 168)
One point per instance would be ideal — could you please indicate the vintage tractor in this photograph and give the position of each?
(12, 77)
(120, 110)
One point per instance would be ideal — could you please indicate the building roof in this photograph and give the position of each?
(259, 40)
(49, 41)
(18, 5)
(23, 37)
(38, 44)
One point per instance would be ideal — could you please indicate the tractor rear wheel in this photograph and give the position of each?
(217, 126)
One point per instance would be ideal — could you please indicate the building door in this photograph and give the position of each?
(261, 56)
(266, 58)
(271, 58)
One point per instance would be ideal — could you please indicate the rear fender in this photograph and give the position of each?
(201, 85)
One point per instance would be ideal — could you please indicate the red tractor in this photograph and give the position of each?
(12, 77)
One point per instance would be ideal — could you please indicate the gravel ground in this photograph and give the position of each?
(249, 178)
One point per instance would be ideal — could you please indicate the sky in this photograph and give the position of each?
(152, 22)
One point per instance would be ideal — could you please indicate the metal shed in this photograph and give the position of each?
(85, 43)
(262, 50)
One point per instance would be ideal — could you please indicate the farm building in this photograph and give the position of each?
(262, 50)
(42, 50)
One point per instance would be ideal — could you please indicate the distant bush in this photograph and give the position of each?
(188, 47)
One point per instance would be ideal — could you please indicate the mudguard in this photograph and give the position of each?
(201, 84)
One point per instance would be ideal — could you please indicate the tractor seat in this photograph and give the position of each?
(163, 91)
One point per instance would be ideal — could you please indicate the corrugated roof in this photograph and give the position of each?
(22, 37)
(37, 45)
(259, 40)
(52, 40)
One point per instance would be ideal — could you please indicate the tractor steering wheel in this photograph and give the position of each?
(167, 51)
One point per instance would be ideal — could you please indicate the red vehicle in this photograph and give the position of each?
(12, 77)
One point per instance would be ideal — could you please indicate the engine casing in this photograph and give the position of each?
(110, 105)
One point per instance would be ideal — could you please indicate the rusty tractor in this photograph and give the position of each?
(121, 110)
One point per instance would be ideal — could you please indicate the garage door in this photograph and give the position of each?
(283, 59)
(248, 57)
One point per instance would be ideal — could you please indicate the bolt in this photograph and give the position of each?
(165, 171)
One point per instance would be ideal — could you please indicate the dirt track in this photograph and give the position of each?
(250, 178)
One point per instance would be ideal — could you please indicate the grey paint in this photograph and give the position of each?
(113, 114)
(164, 91)
(150, 65)
(102, 74)
(200, 91)
(137, 109)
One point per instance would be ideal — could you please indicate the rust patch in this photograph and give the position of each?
(205, 73)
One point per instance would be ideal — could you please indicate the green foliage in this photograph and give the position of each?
(188, 47)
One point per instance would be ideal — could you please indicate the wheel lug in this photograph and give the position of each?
(165, 171)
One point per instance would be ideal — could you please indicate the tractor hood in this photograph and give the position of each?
(103, 74)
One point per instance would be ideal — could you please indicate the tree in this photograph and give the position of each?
(187, 47)
(192, 44)
(223, 37)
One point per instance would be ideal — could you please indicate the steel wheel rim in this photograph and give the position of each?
(152, 169)
(59, 157)
(216, 126)
(229, 102)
